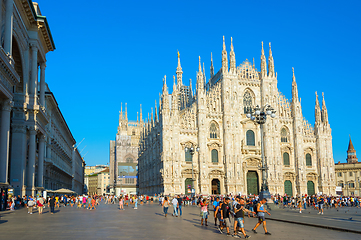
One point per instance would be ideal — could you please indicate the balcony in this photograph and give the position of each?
(8, 76)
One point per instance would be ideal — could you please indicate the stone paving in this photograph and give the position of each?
(147, 222)
(345, 218)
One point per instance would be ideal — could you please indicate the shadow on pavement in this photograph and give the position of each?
(3, 221)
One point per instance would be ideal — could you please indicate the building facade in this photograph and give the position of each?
(213, 119)
(348, 175)
(123, 162)
(94, 169)
(103, 182)
(36, 145)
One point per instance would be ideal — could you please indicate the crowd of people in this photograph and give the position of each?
(229, 212)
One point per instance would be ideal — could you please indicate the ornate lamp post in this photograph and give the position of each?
(259, 115)
(191, 149)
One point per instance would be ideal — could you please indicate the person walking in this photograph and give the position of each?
(40, 203)
(175, 205)
(239, 210)
(31, 204)
(121, 203)
(261, 218)
(135, 202)
(52, 204)
(225, 211)
(165, 205)
(204, 211)
(215, 205)
(179, 199)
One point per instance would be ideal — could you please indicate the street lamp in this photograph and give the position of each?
(259, 115)
(191, 149)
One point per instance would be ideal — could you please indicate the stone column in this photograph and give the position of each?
(18, 157)
(31, 161)
(8, 38)
(34, 73)
(41, 161)
(42, 84)
(4, 140)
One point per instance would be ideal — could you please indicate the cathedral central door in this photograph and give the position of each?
(252, 183)
(216, 187)
(310, 188)
(288, 188)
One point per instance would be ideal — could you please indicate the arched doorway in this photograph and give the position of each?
(310, 188)
(188, 186)
(288, 188)
(216, 187)
(252, 183)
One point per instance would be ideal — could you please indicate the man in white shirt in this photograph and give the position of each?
(175, 205)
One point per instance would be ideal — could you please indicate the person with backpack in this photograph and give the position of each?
(261, 218)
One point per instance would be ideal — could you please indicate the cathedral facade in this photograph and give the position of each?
(227, 145)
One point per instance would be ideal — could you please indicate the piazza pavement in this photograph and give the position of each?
(148, 222)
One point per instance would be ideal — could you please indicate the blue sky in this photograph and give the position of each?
(108, 52)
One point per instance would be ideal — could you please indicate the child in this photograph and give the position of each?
(300, 206)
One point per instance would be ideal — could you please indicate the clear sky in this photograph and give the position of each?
(108, 52)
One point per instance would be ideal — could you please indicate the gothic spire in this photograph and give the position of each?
(137, 116)
(324, 110)
(152, 118)
(204, 76)
(212, 68)
(126, 112)
(224, 58)
(263, 63)
(121, 112)
(294, 87)
(179, 72)
(141, 114)
(200, 84)
(271, 67)
(174, 85)
(317, 111)
(232, 58)
(156, 111)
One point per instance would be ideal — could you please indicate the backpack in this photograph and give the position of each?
(255, 208)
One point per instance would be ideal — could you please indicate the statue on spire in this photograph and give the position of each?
(263, 63)
(232, 59)
(224, 59)
(212, 68)
(271, 67)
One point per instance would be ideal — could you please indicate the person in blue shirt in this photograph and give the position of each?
(261, 218)
(215, 205)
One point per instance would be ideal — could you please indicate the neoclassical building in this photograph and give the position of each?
(213, 119)
(123, 162)
(348, 174)
(37, 149)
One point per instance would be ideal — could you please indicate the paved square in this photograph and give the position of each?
(147, 222)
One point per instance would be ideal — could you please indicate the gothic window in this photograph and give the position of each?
(286, 159)
(284, 135)
(250, 138)
(352, 185)
(188, 156)
(350, 174)
(247, 102)
(214, 156)
(213, 131)
(133, 133)
(308, 160)
(129, 160)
